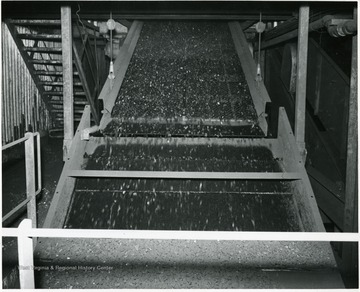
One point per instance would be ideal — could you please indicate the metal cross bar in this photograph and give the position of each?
(14, 143)
(18, 207)
(179, 234)
(186, 175)
(257, 89)
(108, 93)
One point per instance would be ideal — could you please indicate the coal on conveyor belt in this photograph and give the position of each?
(172, 204)
(184, 69)
(172, 157)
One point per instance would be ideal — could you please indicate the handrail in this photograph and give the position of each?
(26, 233)
(179, 234)
(14, 143)
(30, 175)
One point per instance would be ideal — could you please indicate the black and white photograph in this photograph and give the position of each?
(179, 145)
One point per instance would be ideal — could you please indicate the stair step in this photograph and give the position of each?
(53, 73)
(61, 120)
(60, 93)
(60, 102)
(37, 22)
(46, 37)
(52, 50)
(46, 62)
(53, 83)
(61, 111)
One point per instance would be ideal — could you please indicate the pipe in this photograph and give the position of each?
(342, 29)
(345, 27)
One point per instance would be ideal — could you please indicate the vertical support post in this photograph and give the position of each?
(300, 102)
(350, 252)
(38, 147)
(30, 177)
(67, 61)
(26, 256)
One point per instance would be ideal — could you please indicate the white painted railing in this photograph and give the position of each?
(30, 165)
(25, 234)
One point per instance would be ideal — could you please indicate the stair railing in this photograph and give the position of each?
(84, 62)
(30, 166)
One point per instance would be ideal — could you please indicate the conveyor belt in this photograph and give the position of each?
(184, 70)
(185, 79)
(182, 204)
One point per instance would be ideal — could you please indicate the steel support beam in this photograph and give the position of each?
(350, 251)
(67, 62)
(109, 93)
(61, 199)
(352, 146)
(300, 100)
(186, 175)
(257, 89)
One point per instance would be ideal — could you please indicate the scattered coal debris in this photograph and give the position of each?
(188, 210)
(179, 204)
(184, 69)
(172, 157)
(128, 128)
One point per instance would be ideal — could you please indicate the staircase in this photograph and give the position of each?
(39, 42)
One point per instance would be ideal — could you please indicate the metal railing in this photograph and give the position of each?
(30, 165)
(26, 232)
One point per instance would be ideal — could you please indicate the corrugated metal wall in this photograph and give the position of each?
(22, 108)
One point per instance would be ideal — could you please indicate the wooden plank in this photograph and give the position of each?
(61, 200)
(257, 89)
(108, 94)
(301, 74)
(67, 62)
(185, 175)
(184, 235)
